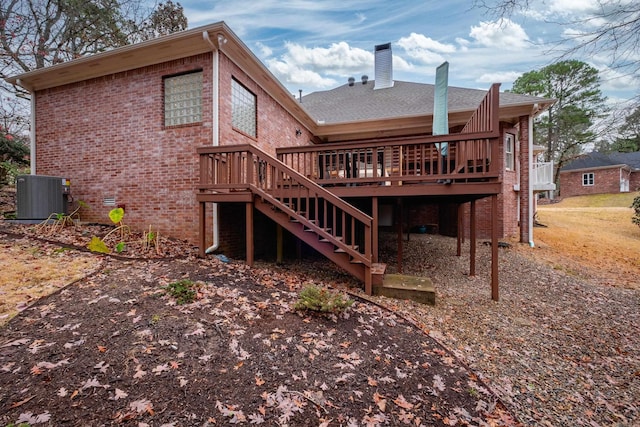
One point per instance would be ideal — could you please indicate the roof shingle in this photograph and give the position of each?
(405, 99)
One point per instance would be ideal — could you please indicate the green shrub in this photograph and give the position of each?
(184, 291)
(636, 208)
(316, 298)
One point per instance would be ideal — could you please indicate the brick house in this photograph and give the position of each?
(169, 127)
(596, 173)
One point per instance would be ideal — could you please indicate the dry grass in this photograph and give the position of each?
(592, 233)
(31, 271)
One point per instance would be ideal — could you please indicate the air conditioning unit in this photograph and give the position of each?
(39, 196)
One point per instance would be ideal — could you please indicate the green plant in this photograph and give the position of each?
(184, 291)
(636, 209)
(97, 244)
(60, 220)
(151, 239)
(316, 298)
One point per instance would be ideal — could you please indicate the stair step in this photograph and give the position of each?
(419, 289)
(342, 251)
(312, 221)
(377, 273)
(378, 268)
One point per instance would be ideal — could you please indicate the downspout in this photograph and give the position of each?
(32, 127)
(215, 128)
(530, 189)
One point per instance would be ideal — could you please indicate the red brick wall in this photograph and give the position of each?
(508, 219)
(107, 136)
(605, 181)
(634, 181)
(276, 127)
(525, 178)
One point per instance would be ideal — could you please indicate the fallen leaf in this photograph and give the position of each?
(380, 401)
(119, 394)
(139, 372)
(102, 349)
(142, 405)
(259, 381)
(402, 402)
(22, 402)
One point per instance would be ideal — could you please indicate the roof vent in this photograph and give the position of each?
(365, 79)
(383, 66)
(351, 81)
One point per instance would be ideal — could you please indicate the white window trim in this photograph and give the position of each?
(588, 179)
(509, 152)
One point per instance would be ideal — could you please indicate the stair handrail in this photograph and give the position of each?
(251, 178)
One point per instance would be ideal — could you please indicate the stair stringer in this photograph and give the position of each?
(307, 234)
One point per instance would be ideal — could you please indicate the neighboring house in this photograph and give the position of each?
(595, 173)
(169, 126)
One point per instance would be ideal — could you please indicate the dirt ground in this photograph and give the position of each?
(592, 236)
(115, 348)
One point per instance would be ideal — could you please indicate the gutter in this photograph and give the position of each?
(530, 189)
(32, 127)
(215, 126)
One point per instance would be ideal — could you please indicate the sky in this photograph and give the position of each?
(318, 44)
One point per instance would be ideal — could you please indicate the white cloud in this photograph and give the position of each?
(505, 77)
(568, 7)
(339, 58)
(464, 44)
(265, 51)
(424, 49)
(310, 67)
(502, 34)
(292, 74)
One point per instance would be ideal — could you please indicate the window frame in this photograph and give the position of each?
(509, 151)
(190, 119)
(236, 122)
(588, 179)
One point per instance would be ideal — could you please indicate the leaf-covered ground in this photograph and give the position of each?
(115, 348)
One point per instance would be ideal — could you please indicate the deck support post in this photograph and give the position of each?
(494, 248)
(472, 239)
(249, 233)
(279, 244)
(202, 226)
(374, 231)
(460, 229)
(399, 221)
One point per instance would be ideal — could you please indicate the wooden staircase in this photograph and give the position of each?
(327, 223)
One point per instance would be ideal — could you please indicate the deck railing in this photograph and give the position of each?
(471, 154)
(453, 157)
(542, 176)
(235, 168)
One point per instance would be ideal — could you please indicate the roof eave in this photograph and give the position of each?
(166, 48)
(618, 166)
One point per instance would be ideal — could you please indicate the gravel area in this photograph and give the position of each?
(557, 348)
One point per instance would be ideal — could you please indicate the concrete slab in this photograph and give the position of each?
(419, 289)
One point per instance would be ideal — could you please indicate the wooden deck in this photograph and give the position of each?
(304, 188)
